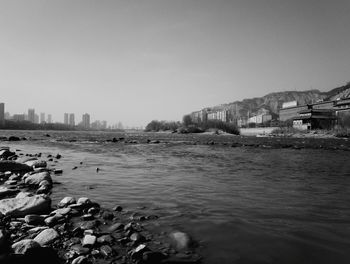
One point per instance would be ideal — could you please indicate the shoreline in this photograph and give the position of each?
(76, 230)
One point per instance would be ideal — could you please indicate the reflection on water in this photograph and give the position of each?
(244, 204)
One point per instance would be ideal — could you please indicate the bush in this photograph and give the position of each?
(342, 132)
(217, 124)
(162, 126)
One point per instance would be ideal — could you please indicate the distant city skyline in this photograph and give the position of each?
(136, 61)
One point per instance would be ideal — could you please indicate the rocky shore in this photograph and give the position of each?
(76, 230)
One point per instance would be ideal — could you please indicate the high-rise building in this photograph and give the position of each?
(2, 114)
(19, 117)
(71, 120)
(42, 118)
(31, 115)
(49, 118)
(66, 122)
(86, 120)
(36, 119)
(7, 116)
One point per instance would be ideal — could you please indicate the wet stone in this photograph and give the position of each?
(46, 236)
(22, 246)
(34, 219)
(80, 260)
(118, 208)
(66, 201)
(89, 224)
(87, 217)
(137, 238)
(107, 215)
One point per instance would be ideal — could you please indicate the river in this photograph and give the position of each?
(265, 200)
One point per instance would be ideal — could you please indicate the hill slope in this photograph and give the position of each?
(273, 102)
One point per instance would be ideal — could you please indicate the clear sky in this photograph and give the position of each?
(135, 61)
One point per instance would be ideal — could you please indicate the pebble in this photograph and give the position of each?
(105, 239)
(89, 240)
(106, 250)
(83, 200)
(115, 227)
(34, 219)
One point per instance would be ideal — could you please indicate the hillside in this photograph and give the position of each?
(273, 102)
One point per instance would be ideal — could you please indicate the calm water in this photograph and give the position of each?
(244, 204)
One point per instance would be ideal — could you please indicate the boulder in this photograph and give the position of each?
(180, 240)
(36, 178)
(66, 201)
(5, 153)
(14, 138)
(22, 246)
(4, 192)
(33, 219)
(25, 159)
(23, 194)
(9, 165)
(83, 200)
(36, 163)
(19, 207)
(46, 236)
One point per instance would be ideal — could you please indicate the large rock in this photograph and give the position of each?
(5, 153)
(19, 207)
(66, 201)
(36, 178)
(46, 236)
(22, 246)
(36, 163)
(180, 240)
(24, 159)
(9, 165)
(4, 191)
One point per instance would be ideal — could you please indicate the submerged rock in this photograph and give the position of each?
(180, 240)
(18, 207)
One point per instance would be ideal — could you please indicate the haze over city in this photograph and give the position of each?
(135, 61)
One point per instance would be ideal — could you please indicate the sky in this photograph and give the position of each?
(135, 61)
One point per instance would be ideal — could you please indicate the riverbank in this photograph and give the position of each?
(76, 229)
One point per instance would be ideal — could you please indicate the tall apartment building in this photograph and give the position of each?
(31, 115)
(86, 120)
(36, 119)
(49, 118)
(42, 118)
(2, 114)
(71, 120)
(66, 119)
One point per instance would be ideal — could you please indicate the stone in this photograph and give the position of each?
(118, 208)
(3, 238)
(44, 189)
(115, 227)
(66, 201)
(89, 224)
(83, 200)
(58, 171)
(93, 210)
(87, 217)
(25, 159)
(105, 239)
(52, 220)
(8, 165)
(138, 251)
(14, 138)
(80, 260)
(107, 215)
(15, 177)
(33, 219)
(22, 246)
(180, 240)
(36, 163)
(36, 178)
(62, 211)
(46, 236)
(37, 229)
(19, 207)
(137, 237)
(5, 153)
(21, 195)
(89, 240)
(106, 250)
(4, 191)
(11, 182)
(80, 250)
